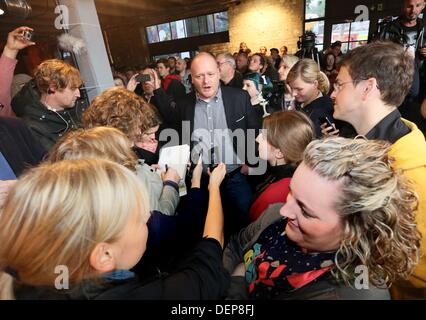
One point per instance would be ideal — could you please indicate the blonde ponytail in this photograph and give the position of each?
(323, 83)
(309, 71)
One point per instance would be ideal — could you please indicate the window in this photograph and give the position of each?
(221, 21)
(164, 32)
(314, 9)
(152, 34)
(192, 27)
(202, 23)
(210, 23)
(314, 20)
(317, 27)
(195, 26)
(178, 29)
(351, 34)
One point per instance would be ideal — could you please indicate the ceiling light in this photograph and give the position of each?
(18, 8)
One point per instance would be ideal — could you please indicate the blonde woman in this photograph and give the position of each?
(309, 87)
(111, 144)
(89, 217)
(348, 215)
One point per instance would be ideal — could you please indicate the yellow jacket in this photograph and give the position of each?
(410, 156)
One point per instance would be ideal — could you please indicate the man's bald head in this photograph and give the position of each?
(205, 75)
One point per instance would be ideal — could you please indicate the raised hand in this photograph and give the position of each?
(16, 42)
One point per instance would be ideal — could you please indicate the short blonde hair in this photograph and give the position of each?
(122, 109)
(290, 60)
(58, 74)
(291, 132)
(57, 213)
(99, 142)
(377, 207)
(309, 71)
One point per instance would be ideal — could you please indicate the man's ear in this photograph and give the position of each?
(370, 85)
(102, 258)
(315, 83)
(51, 89)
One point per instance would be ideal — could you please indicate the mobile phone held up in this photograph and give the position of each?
(327, 120)
(143, 78)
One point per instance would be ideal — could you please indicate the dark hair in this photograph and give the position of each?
(274, 49)
(163, 61)
(336, 44)
(388, 63)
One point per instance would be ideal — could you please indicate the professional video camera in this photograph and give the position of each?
(306, 46)
(274, 96)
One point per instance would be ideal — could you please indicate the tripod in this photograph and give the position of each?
(309, 53)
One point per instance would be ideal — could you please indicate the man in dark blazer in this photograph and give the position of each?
(222, 123)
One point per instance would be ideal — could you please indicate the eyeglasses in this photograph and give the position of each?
(338, 86)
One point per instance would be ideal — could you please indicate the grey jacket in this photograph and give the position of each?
(326, 288)
(163, 198)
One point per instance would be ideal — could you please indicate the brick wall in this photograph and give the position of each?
(270, 23)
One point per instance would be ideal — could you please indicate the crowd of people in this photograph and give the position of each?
(303, 177)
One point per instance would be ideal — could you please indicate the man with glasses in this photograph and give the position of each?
(229, 76)
(372, 82)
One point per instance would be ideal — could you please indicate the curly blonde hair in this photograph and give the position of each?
(122, 109)
(99, 142)
(377, 205)
(58, 74)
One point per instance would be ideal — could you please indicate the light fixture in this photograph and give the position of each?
(17, 8)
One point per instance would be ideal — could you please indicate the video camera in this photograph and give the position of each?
(306, 44)
(307, 41)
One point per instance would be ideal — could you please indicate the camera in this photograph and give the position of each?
(274, 96)
(143, 78)
(307, 41)
(27, 35)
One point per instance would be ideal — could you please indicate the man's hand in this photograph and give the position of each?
(423, 51)
(16, 42)
(328, 130)
(155, 81)
(133, 83)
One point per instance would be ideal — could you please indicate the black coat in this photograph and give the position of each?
(47, 126)
(239, 113)
(18, 145)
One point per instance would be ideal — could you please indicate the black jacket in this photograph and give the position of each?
(394, 31)
(47, 126)
(199, 276)
(239, 113)
(18, 145)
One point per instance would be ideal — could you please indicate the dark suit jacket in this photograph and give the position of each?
(239, 112)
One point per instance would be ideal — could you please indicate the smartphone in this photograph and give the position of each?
(214, 156)
(143, 78)
(327, 120)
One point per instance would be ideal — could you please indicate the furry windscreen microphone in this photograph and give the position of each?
(70, 43)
